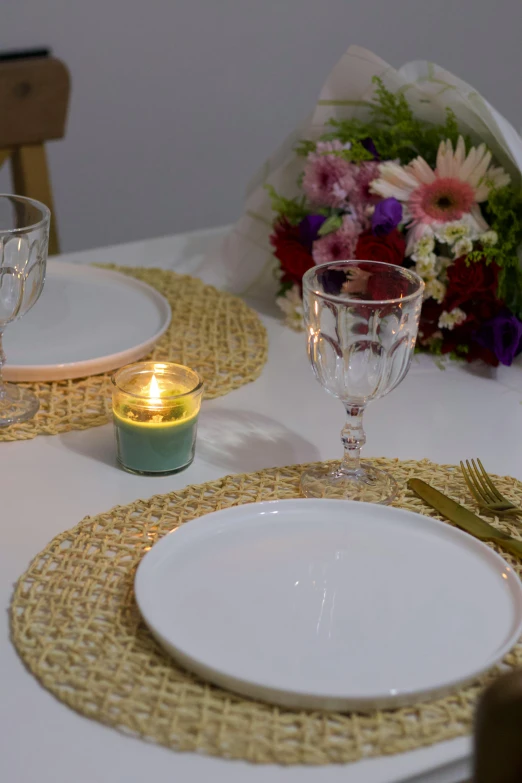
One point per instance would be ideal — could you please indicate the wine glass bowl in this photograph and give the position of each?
(24, 236)
(362, 319)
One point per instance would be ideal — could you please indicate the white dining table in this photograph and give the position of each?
(50, 483)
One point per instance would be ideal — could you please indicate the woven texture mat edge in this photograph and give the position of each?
(212, 331)
(76, 626)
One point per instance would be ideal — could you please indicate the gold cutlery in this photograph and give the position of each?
(485, 492)
(463, 518)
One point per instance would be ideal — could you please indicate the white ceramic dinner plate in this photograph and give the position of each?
(87, 321)
(329, 604)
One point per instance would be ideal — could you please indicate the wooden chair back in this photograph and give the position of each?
(34, 98)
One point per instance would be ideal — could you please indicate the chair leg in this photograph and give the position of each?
(31, 179)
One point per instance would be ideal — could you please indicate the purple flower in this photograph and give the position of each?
(386, 217)
(332, 280)
(309, 229)
(502, 335)
(368, 145)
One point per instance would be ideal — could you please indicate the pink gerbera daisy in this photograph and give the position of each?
(328, 179)
(450, 192)
(339, 245)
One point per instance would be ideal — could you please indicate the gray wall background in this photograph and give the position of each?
(176, 102)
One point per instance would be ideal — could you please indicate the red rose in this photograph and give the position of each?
(470, 280)
(294, 257)
(390, 249)
(429, 320)
(477, 351)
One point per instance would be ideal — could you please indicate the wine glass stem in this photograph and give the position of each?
(3, 390)
(353, 439)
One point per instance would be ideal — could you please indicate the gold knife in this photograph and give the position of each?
(463, 518)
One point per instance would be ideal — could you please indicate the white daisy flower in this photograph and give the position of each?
(291, 304)
(449, 233)
(462, 247)
(424, 247)
(489, 238)
(426, 267)
(435, 289)
(451, 319)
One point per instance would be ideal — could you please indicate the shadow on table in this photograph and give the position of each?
(237, 441)
(98, 443)
(265, 306)
(241, 441)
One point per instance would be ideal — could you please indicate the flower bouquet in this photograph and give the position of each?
(405, 191)
(407, 167)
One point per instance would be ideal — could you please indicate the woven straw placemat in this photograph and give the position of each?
(211, 331)
(76, 625)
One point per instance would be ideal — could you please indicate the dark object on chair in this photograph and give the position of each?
(34, 97)
(498, 732)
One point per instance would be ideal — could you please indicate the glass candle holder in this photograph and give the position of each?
(155, 408)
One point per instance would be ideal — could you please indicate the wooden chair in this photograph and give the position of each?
(34, 97)
(498, 732)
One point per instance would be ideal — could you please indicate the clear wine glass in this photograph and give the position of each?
(24, 236)
(362, 319)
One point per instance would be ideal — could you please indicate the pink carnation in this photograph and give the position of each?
(328, 179)
(365, 173)
(328, 146)
(339, 245)
(361, 199)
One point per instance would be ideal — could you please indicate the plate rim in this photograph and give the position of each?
(72, 370)
(337, 702)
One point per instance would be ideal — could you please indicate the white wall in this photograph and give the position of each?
(176, 102)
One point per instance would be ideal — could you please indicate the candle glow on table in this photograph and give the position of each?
(155, 407)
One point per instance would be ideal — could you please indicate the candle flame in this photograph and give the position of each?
(154, 390)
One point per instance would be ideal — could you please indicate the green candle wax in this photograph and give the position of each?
(155, 446)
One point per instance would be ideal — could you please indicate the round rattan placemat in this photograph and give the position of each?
(211, 331)
(76, 626)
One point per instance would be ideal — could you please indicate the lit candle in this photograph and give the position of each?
(155, 407)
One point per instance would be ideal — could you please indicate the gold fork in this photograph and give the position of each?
(485, 492)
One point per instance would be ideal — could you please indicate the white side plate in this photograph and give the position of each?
(87, 321)
(329, 604)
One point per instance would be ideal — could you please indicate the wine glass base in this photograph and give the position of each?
(367, 484)
(17, 404)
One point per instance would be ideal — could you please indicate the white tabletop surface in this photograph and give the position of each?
(50, 483)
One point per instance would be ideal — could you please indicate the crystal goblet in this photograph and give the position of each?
(24, 236)
(362, 319)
